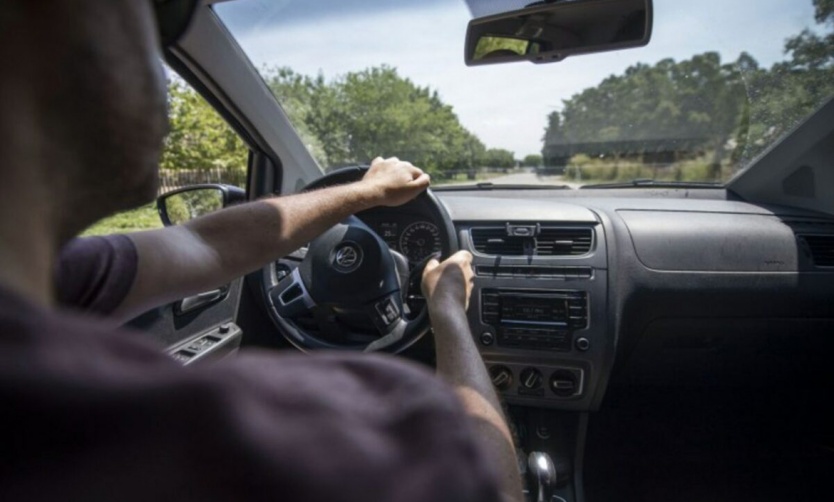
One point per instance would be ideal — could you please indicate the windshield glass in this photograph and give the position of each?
(720, 81)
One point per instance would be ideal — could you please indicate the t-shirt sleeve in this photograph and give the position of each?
(95, 274)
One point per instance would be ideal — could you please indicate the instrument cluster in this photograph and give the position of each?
(411, 235)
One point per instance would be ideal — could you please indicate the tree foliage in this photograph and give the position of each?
(532, 160)
(700, 105)
(199, 138)
(498, 157)
(375, 112)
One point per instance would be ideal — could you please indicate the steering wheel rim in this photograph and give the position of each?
(392, 338)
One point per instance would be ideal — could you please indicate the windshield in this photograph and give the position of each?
(720, 81)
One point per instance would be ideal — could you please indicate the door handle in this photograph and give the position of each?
(201, 300)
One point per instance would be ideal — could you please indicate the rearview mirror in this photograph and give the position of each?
(180, 206)
(553, 31)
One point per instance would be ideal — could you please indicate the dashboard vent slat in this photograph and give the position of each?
(822, 249)
(551, 241)
(495, 241)
(564, 241)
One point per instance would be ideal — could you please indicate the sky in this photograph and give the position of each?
(506, 105)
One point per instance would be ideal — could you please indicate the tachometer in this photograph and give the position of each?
(419, 240)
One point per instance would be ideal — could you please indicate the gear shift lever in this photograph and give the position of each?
(543, 472)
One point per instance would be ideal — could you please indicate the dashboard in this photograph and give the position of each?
(576, 291)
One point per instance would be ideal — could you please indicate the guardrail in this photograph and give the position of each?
(172, 179)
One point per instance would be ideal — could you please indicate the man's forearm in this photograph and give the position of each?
(213, 250)
(460, 364)
(271, 228)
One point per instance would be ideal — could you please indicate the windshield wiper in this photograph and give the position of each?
(646, 182)
(487, 185)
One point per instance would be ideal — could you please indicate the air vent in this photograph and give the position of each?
(822, 249)
(551, 241)
(564, 241)
(495, 241)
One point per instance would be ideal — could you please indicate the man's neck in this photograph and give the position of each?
(28, 240)
(27, 254)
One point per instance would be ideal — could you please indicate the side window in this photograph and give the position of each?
(201, 148)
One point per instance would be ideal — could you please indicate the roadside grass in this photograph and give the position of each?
(143, 218)
(583, 169)
(462, 178)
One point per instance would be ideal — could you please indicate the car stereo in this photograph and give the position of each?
(535, 319)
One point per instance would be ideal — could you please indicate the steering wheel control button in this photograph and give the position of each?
(347, 257)
(487, 338)
(388, 311)
(531, 382)
(502, 377)
(564, 383)
(281, 271)
(583, 344)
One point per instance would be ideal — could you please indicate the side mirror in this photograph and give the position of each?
(180, 206)
(547, 32)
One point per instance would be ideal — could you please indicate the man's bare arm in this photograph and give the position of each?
(207, 252)
(448, 286)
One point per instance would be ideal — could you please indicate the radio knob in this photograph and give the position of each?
(563, 383)
(531, 378)
(502, 377)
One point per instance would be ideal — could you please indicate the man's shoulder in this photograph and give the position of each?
(299, 427)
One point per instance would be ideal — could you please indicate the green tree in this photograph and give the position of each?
(699, 105)
(498, 157)
(532, 160)
(363, 114)
(790, 90)
(199, 138)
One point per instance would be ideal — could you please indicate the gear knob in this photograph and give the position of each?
(543, 472)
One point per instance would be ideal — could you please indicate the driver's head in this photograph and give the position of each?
(83, 102)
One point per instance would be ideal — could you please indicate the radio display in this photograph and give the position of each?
(521, 308)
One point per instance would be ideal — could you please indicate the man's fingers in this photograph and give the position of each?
(463, 257)
(422, 180)
(378, 159)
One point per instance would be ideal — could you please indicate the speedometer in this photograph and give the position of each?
(419, 240)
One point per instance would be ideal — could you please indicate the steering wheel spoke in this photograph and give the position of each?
(290, 297)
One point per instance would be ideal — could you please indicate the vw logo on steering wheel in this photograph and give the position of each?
(347, 257)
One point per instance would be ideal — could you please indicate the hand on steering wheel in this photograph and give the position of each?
(395, 181)
(350, 272)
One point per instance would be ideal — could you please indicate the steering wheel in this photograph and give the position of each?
(351, 291)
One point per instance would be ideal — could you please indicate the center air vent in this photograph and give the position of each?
(550, 241)
(822, 249)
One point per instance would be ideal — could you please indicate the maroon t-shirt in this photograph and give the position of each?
(94, 413)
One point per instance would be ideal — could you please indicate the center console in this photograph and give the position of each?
(539, 309)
